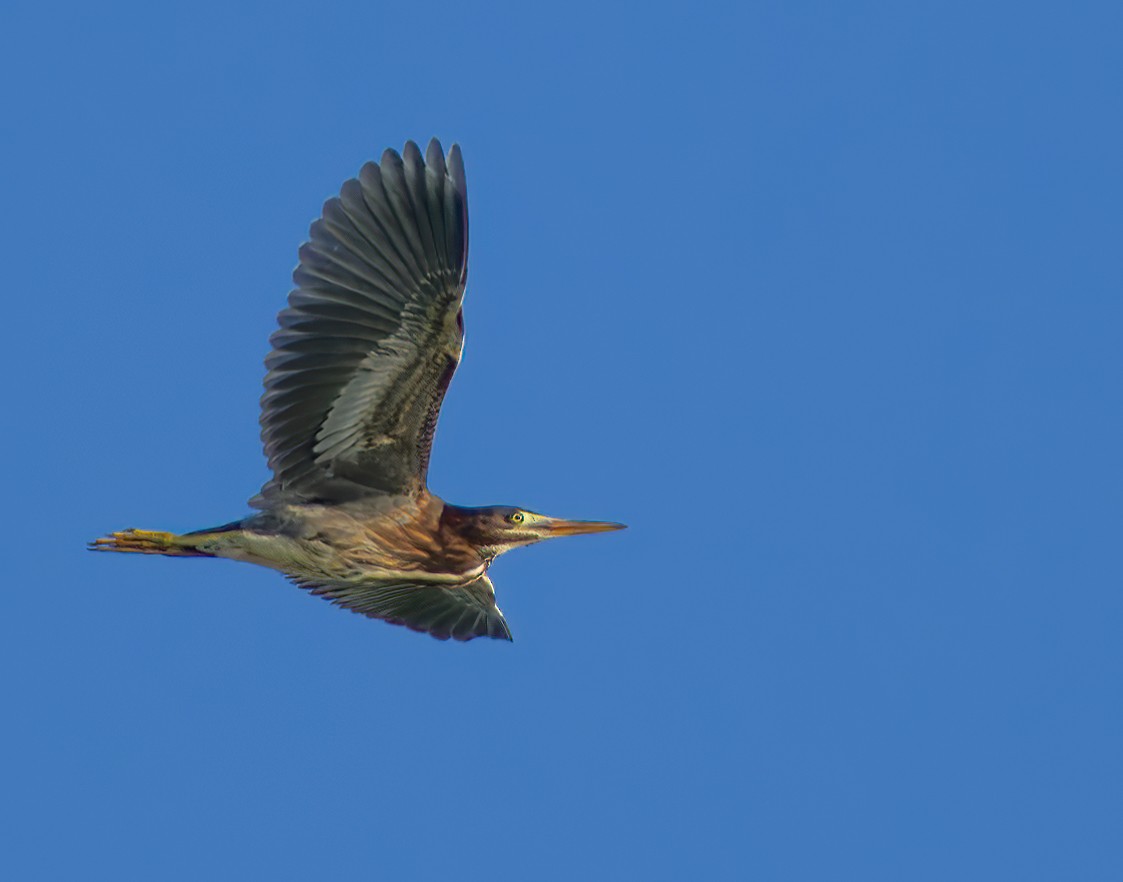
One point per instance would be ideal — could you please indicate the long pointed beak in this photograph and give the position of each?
(559, 527)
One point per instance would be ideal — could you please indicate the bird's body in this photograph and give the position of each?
(382, 537)
(360, 366)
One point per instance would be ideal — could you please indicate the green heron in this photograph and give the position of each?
(354, 383)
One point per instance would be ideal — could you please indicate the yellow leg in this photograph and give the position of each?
(147, 542)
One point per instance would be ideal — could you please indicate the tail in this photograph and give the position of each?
(151, 542)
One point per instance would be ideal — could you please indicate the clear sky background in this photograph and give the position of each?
(824, 300)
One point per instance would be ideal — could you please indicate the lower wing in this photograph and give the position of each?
(461, 612)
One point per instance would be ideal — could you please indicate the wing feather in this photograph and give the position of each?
(460, 612)
(371, 336)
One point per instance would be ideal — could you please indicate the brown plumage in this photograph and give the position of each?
(360, 366)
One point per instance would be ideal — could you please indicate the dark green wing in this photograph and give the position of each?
(372, 334)
(461, 612)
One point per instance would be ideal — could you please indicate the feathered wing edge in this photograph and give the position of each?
(364, 349)
(461, 612)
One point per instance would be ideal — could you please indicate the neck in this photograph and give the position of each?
(467, 525)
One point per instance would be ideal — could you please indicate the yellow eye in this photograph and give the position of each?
(516, 517)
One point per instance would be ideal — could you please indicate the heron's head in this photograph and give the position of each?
(495, 529)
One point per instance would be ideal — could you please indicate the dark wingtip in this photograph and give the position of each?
(434, 153)
(456, 170)
(391, 157)
(411, 152)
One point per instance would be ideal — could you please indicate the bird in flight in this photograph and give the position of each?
(359, 367)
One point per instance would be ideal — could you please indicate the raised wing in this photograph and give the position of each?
(372, 334)
(461, 612)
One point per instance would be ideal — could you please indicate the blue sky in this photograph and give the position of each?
(824, 300)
